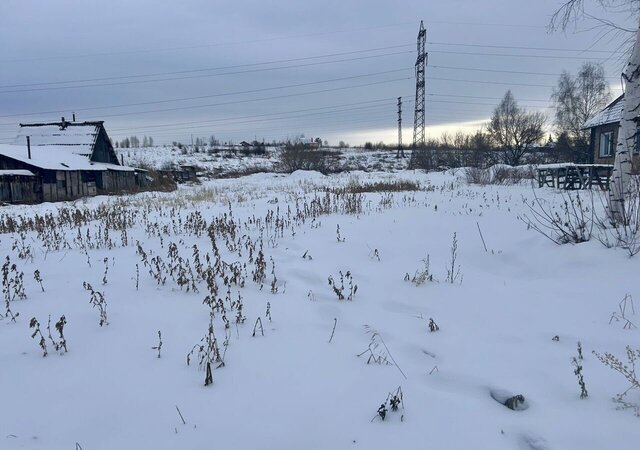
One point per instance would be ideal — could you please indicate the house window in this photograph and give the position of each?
(606, 144)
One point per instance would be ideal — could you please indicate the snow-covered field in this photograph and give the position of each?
(233, 161)
(298, 383)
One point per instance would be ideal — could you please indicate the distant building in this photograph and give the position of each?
(182, 174)
(311, 142)
(69, 160)
(604, 133)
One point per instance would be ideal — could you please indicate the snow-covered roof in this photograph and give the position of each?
(56, 157)
(80, 137)
(16, 172)
(569, 164)
(611, 114)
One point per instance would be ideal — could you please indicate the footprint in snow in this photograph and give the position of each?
(528, 442)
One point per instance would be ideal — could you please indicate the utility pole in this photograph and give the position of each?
(400, 152)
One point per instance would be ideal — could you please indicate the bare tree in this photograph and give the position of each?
(515, 129)
(573, 10)
(576, 100)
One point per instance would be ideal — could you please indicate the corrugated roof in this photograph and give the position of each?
(56, 157)
(611, 114)
(79, 137)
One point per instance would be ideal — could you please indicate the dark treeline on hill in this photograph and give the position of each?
(134, 142)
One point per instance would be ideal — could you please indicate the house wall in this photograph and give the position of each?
(113, 181)
(595, 144)
(62, 185)
(597, 132)
(19, 189)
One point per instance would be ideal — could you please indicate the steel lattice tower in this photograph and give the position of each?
(400, 152)
(421, 62)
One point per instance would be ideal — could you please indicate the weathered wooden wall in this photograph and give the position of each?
(116, 181)
(19, 189)
(102, 150)
(66, 185)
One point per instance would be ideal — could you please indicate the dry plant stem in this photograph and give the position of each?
(255, 327)
(159, 346)
(180, 414)
(38, 278)
(106, 269)
(622, 306)
(335, 322)
(453, 272)
(208, 379)
(376, 339)
(395, 402)
(628, 371)
(482, 237)
(574, 226)
(42, 342)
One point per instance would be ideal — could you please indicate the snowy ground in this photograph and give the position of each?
(291, 388)
(232, 162)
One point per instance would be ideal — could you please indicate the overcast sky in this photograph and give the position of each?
(260, 69)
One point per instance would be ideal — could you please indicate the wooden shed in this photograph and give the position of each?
(69, 160)
(63, 175)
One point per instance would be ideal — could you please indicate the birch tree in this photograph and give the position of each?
(577, 99)
(627, 133)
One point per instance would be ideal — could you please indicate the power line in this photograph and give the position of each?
(481, 24)
(331, 107)
(215, 44)
(485, 98)
(514, 47)
(233, 122)
(384, 120)
(120, 83)
(350, 111)
(263, 40)
(172, 129)
(258, 99)
(512, 55)
(209, 96)
(455, 102)
(157, 74)
(369, 119)
(517, 72)
(200, 97)
(491, 82)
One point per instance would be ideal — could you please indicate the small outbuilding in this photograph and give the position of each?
(69, 160)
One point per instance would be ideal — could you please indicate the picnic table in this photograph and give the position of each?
(570, 176)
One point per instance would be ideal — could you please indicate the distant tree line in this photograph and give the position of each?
(134, 142)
